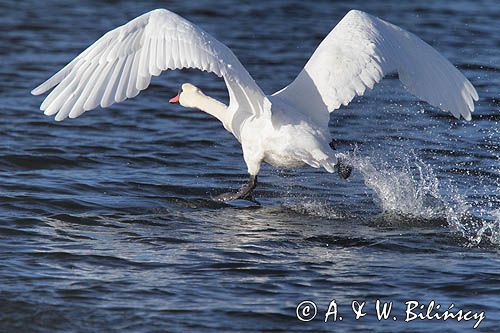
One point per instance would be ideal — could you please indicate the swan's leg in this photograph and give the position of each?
(253, 159)
(245, 192)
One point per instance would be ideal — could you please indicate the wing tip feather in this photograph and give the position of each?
(58, 118)
(38, 90)
(475, 96)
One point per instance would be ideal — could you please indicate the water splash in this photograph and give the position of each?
(399, 189)
(313, 207)
(406, 186)
(295, 199)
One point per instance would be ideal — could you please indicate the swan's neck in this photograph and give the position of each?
(215, 108)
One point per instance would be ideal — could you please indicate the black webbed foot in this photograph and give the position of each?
(333, 144)
(344, 170)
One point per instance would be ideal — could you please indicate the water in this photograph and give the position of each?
(106, 221)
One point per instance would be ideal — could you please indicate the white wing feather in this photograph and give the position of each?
(120, 64)
(359, 52)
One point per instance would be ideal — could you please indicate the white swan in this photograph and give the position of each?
(286, 129)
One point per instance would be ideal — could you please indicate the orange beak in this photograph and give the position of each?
(175, 99)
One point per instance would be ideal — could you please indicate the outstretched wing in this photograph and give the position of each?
(359, 52)
(120, 64)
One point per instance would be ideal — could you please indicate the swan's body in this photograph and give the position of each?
(294, 142)
(290, 139)
(286, 129)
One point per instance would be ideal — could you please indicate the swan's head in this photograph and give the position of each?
(188, 96)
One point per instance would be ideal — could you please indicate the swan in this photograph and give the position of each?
(286, 129)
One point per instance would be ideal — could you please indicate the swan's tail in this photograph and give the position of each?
(331, 163)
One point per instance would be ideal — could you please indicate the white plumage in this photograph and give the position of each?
(286, 129)
(120, 64)
(359, 52)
